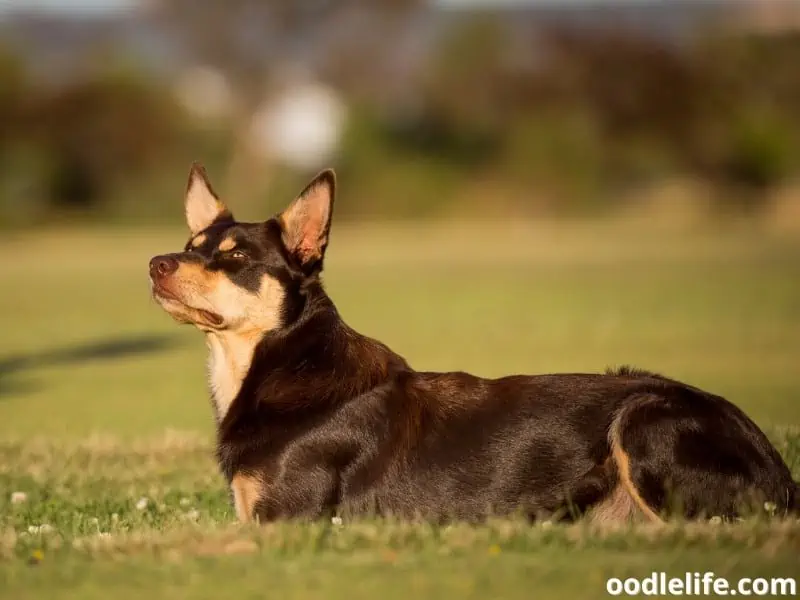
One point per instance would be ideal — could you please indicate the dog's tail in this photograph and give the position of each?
(623, 501)
(622, 463)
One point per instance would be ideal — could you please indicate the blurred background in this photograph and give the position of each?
(428, 109)
(524, 185)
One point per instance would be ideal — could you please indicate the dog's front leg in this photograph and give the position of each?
(305, 494)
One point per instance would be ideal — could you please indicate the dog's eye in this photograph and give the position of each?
(238, 254)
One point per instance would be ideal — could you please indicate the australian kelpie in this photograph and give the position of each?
(314, 419)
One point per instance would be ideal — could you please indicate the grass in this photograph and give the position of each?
(152, 517)
(103, 404)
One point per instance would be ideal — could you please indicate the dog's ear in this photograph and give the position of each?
(203, 207)
(307, 222)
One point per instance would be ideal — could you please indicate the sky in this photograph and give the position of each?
(73, 6)
(100, 6)
(468, 3)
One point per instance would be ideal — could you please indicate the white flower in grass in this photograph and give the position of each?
(43, 528)
(336, 520)
(142, 503)
(715, 520)
(18, 497)
(185, 502)
(192, 515)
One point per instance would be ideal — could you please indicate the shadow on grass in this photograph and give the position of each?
(101, 350)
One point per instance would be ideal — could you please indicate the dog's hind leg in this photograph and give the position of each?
(621, 503)
(597, 495)
(693, 455)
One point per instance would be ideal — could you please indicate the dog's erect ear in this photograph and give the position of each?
(203, 207)
(307, 221)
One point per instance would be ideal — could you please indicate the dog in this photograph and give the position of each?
(315, 420)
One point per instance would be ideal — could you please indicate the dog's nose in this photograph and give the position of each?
(161, 266)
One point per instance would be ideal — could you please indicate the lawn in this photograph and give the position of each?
(105, 424)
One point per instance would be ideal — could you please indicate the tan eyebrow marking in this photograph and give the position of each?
(199, 240)
(227, 244)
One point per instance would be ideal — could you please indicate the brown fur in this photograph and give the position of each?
(314, 418)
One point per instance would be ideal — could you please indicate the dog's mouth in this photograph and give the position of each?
(169, 299)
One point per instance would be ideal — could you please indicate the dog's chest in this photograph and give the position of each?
(228, 363)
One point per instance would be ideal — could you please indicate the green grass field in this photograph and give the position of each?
(105, 423)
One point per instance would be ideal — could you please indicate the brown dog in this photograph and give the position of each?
(315, 419)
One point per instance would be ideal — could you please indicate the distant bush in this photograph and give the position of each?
(598, 114)
(78, 148)
(555, 120)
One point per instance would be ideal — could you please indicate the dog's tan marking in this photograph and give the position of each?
(227, 244)
(228, 363)
(198, 278)
(193, 286)
(234, 319)
(624, 472)
(247, 491)
(199, 240)
(617, 508)
(232, 349)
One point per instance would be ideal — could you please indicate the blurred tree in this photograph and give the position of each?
(13, 88)
(21, 165)
(250, 39)
(468, 106)
(254, 43)
(100, 131)
(445, 110)
(634, 85)
(750, 126)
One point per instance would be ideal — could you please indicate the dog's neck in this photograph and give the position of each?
(323, 363)
(231, 355)
(229, 360)
(316, 364)
(316, 360)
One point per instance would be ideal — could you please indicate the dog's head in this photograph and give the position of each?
(243, 277)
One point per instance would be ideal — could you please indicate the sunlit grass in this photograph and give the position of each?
(105, 514)
(92, 374)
